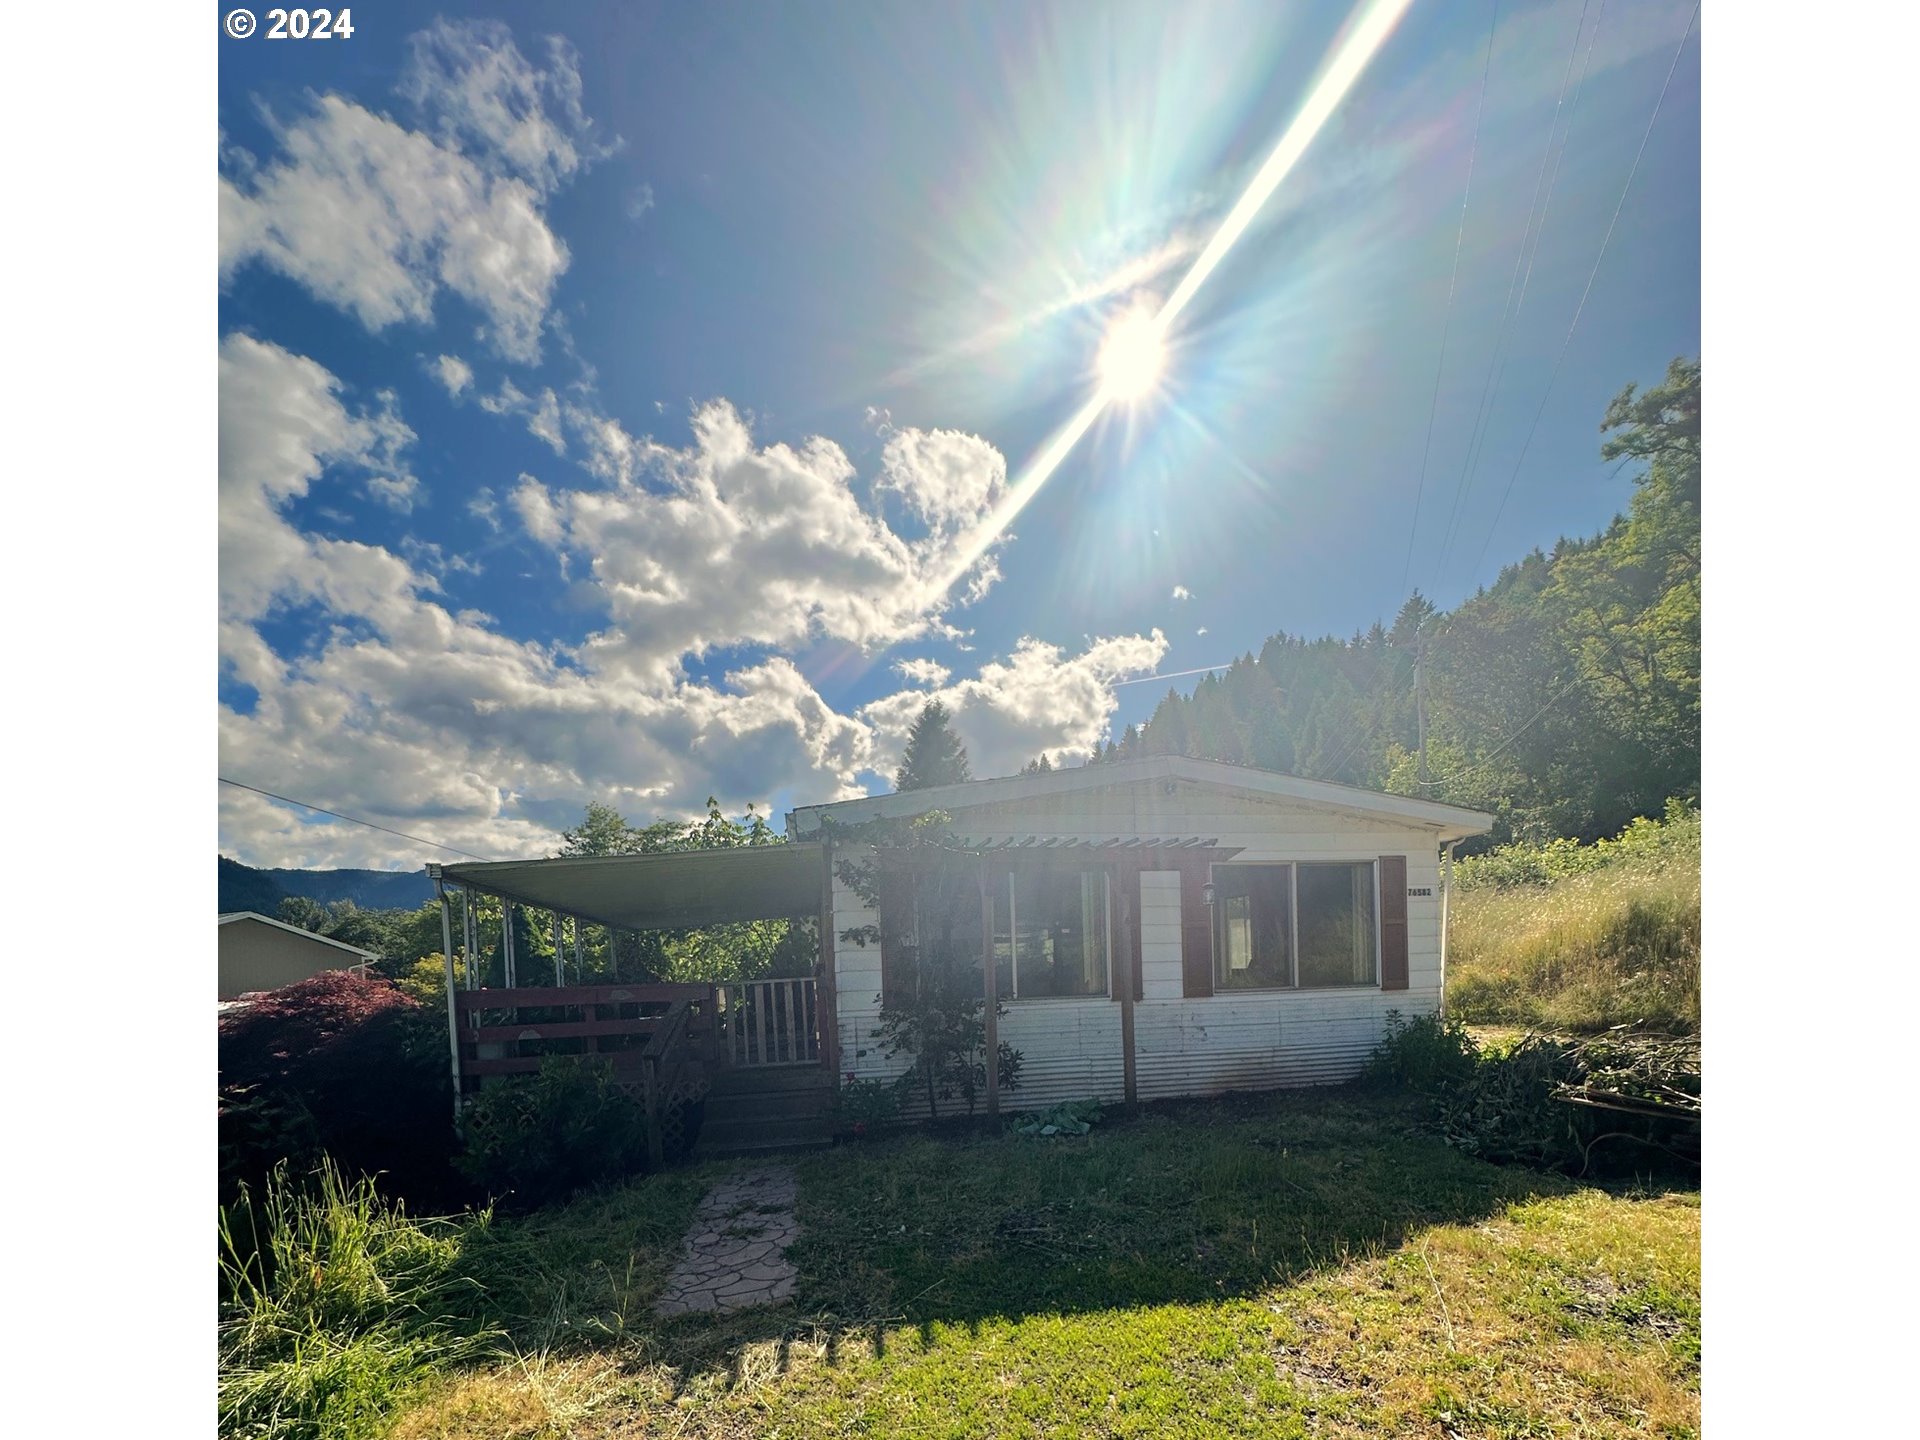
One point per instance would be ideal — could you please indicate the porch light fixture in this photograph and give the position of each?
(1206, 895)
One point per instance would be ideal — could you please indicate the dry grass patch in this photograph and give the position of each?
(1581, 938)
(540, 1399)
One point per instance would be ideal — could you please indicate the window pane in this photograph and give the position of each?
(947, 926)
(1061, 937)
(1336, 924)
(1003, 937)
(1253, 933)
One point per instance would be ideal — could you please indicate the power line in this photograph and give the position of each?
(1172, 675)
(1524, 257)
(1453, 282)
(1592, 275)
(351, 819)
(1613, 648)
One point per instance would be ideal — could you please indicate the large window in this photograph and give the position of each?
(1336, 925)
(1253, 926)
(1051, 931)
(1278, 926)
(1056, 924)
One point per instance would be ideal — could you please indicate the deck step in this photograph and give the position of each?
(764, 1079)
(749, 1134)
(775, 1105)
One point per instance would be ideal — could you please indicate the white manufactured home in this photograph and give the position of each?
(1170, 926)
(1141, 929)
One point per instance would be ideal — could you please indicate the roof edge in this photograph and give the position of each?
(1450, 821)
(297, 930)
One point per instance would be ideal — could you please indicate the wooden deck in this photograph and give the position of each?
(667, 1044)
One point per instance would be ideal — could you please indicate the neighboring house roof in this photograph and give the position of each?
(1451, 822)
(233, 915)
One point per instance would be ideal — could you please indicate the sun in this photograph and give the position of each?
(1132, 357)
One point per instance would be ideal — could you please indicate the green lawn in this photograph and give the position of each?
(1298, 1264)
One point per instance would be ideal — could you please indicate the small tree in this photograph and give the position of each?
(934, 753)
(936, 1011)
(604, 831)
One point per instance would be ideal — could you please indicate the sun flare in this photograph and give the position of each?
(1132, 357)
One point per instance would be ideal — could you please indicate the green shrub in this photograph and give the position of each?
(861, 1103)
(335, 1306)
(535, 1138)
(344, 1065)
(1425, 1054)
(1069, 1117)
(1551, 1102)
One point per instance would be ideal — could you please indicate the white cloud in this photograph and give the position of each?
(922, 671)
(611, 453)
(377, 219)
(396, 492)
(454, 373)
(545, 422)
(641, 203)
(1039, 698)
(542, 412)
(483, 507)
(947, 478)
(535, 508)
(1180, 592)
(428, 718)
(480, 93)
(281, 425)
(738, 545)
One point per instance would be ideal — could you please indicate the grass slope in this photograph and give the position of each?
(1575, 938)
(1303, 1263)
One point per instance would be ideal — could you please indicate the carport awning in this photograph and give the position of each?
(679, 890)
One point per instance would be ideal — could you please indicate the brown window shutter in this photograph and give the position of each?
(895, 888)
(1393, 922)
(1133, 935)
(1126, 932)
(1196, 929)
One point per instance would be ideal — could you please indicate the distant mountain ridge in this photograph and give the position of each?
(244, 887)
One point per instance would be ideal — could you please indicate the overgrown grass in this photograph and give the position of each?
(1304, 1263)
(336, 1305)
(1580, 938)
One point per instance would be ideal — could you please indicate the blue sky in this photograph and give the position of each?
(605, 392)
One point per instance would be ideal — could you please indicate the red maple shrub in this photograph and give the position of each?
(345, 1065)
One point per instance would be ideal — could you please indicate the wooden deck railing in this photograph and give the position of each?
(510, 1032)
(663, 1041)
(770, 1022)
(657, 1038)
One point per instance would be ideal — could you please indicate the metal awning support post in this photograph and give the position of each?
(579, 953)
(1446, 905)
(991, 983)
(453, 1004)
(826, 992)
(559, 955)
(470, 938)
(1124, 879)
(506, 941)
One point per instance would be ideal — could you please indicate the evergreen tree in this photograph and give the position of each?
(934, 755)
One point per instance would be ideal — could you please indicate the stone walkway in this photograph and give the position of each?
(734, 1253)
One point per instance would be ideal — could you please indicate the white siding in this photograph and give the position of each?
(1159, 936)
(1233, 1041)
